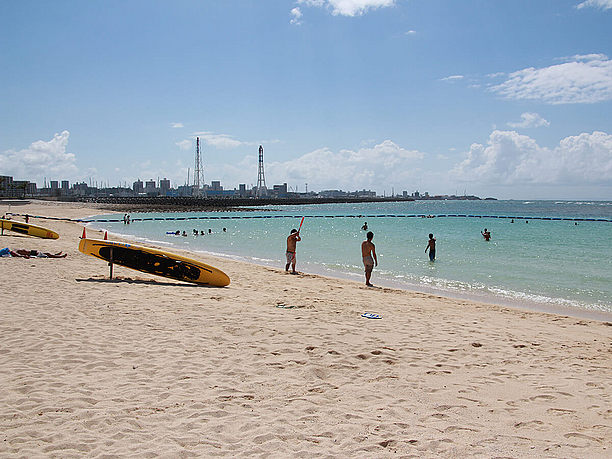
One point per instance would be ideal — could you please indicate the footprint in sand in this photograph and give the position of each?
(583, 436)
(455, 428)
(542, 397)
(529, 424)
(560, 411)
(387, 443)
(448, 407)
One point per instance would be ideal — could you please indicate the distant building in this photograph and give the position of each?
(14, 188)
(347, 194)
(279, 191)
(242, 191)
(164, 186)
(19, 188)
(138, 187)
(80, 189)
(150, 186)
(364, 194)
(185, 190)
(281, 188)
(332, 193)
(65, 186)
(6, 184)
(54, 185)
(31, 188)
(215, 185)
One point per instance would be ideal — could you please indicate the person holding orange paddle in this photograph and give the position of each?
(292, 241)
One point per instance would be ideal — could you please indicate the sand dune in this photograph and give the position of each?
(281, 366)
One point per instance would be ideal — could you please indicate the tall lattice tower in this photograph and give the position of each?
(261, 179)
(198, 172)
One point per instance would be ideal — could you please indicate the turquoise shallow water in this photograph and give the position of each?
(538, 263)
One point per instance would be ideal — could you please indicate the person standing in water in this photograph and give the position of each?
(431, 246)
(292, 241)
(486, 234)
(368, 255)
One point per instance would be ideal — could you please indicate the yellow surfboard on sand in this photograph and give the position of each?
(154, 261)
(28, 229)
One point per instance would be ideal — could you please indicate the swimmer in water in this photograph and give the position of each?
(431, 246)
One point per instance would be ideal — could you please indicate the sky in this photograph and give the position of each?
(506, 99)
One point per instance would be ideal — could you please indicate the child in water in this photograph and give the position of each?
(431, 246)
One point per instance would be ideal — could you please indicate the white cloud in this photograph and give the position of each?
(41, 159)
(226, 141)
(530, 120)
(221, 141)
(452, 78)
(233, 173)
(348, 7)
(184, 144)
(601, 4)
(410, 32)
(510, 158)
(383, 165)
(584, 57)
(176, 125)
(316, 3)
(296, 15)
(583, 79)
(378, 167)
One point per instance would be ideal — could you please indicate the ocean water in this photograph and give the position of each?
(554, 265)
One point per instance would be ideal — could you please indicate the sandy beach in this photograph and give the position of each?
(277, 365)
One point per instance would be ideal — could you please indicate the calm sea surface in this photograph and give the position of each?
(543, 264)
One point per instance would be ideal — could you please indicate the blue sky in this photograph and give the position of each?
(511, 99)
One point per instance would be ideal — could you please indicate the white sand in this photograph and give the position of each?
(145, 366)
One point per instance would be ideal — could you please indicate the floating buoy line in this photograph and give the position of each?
(248, 217)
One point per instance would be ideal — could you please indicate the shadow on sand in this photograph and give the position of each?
(129, 280)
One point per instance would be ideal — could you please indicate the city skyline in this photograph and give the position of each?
(504, 99)
(11, 187)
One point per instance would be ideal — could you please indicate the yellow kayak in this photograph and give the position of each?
(27, 228)
(154, 261)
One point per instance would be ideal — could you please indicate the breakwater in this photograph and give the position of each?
(189, 203)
